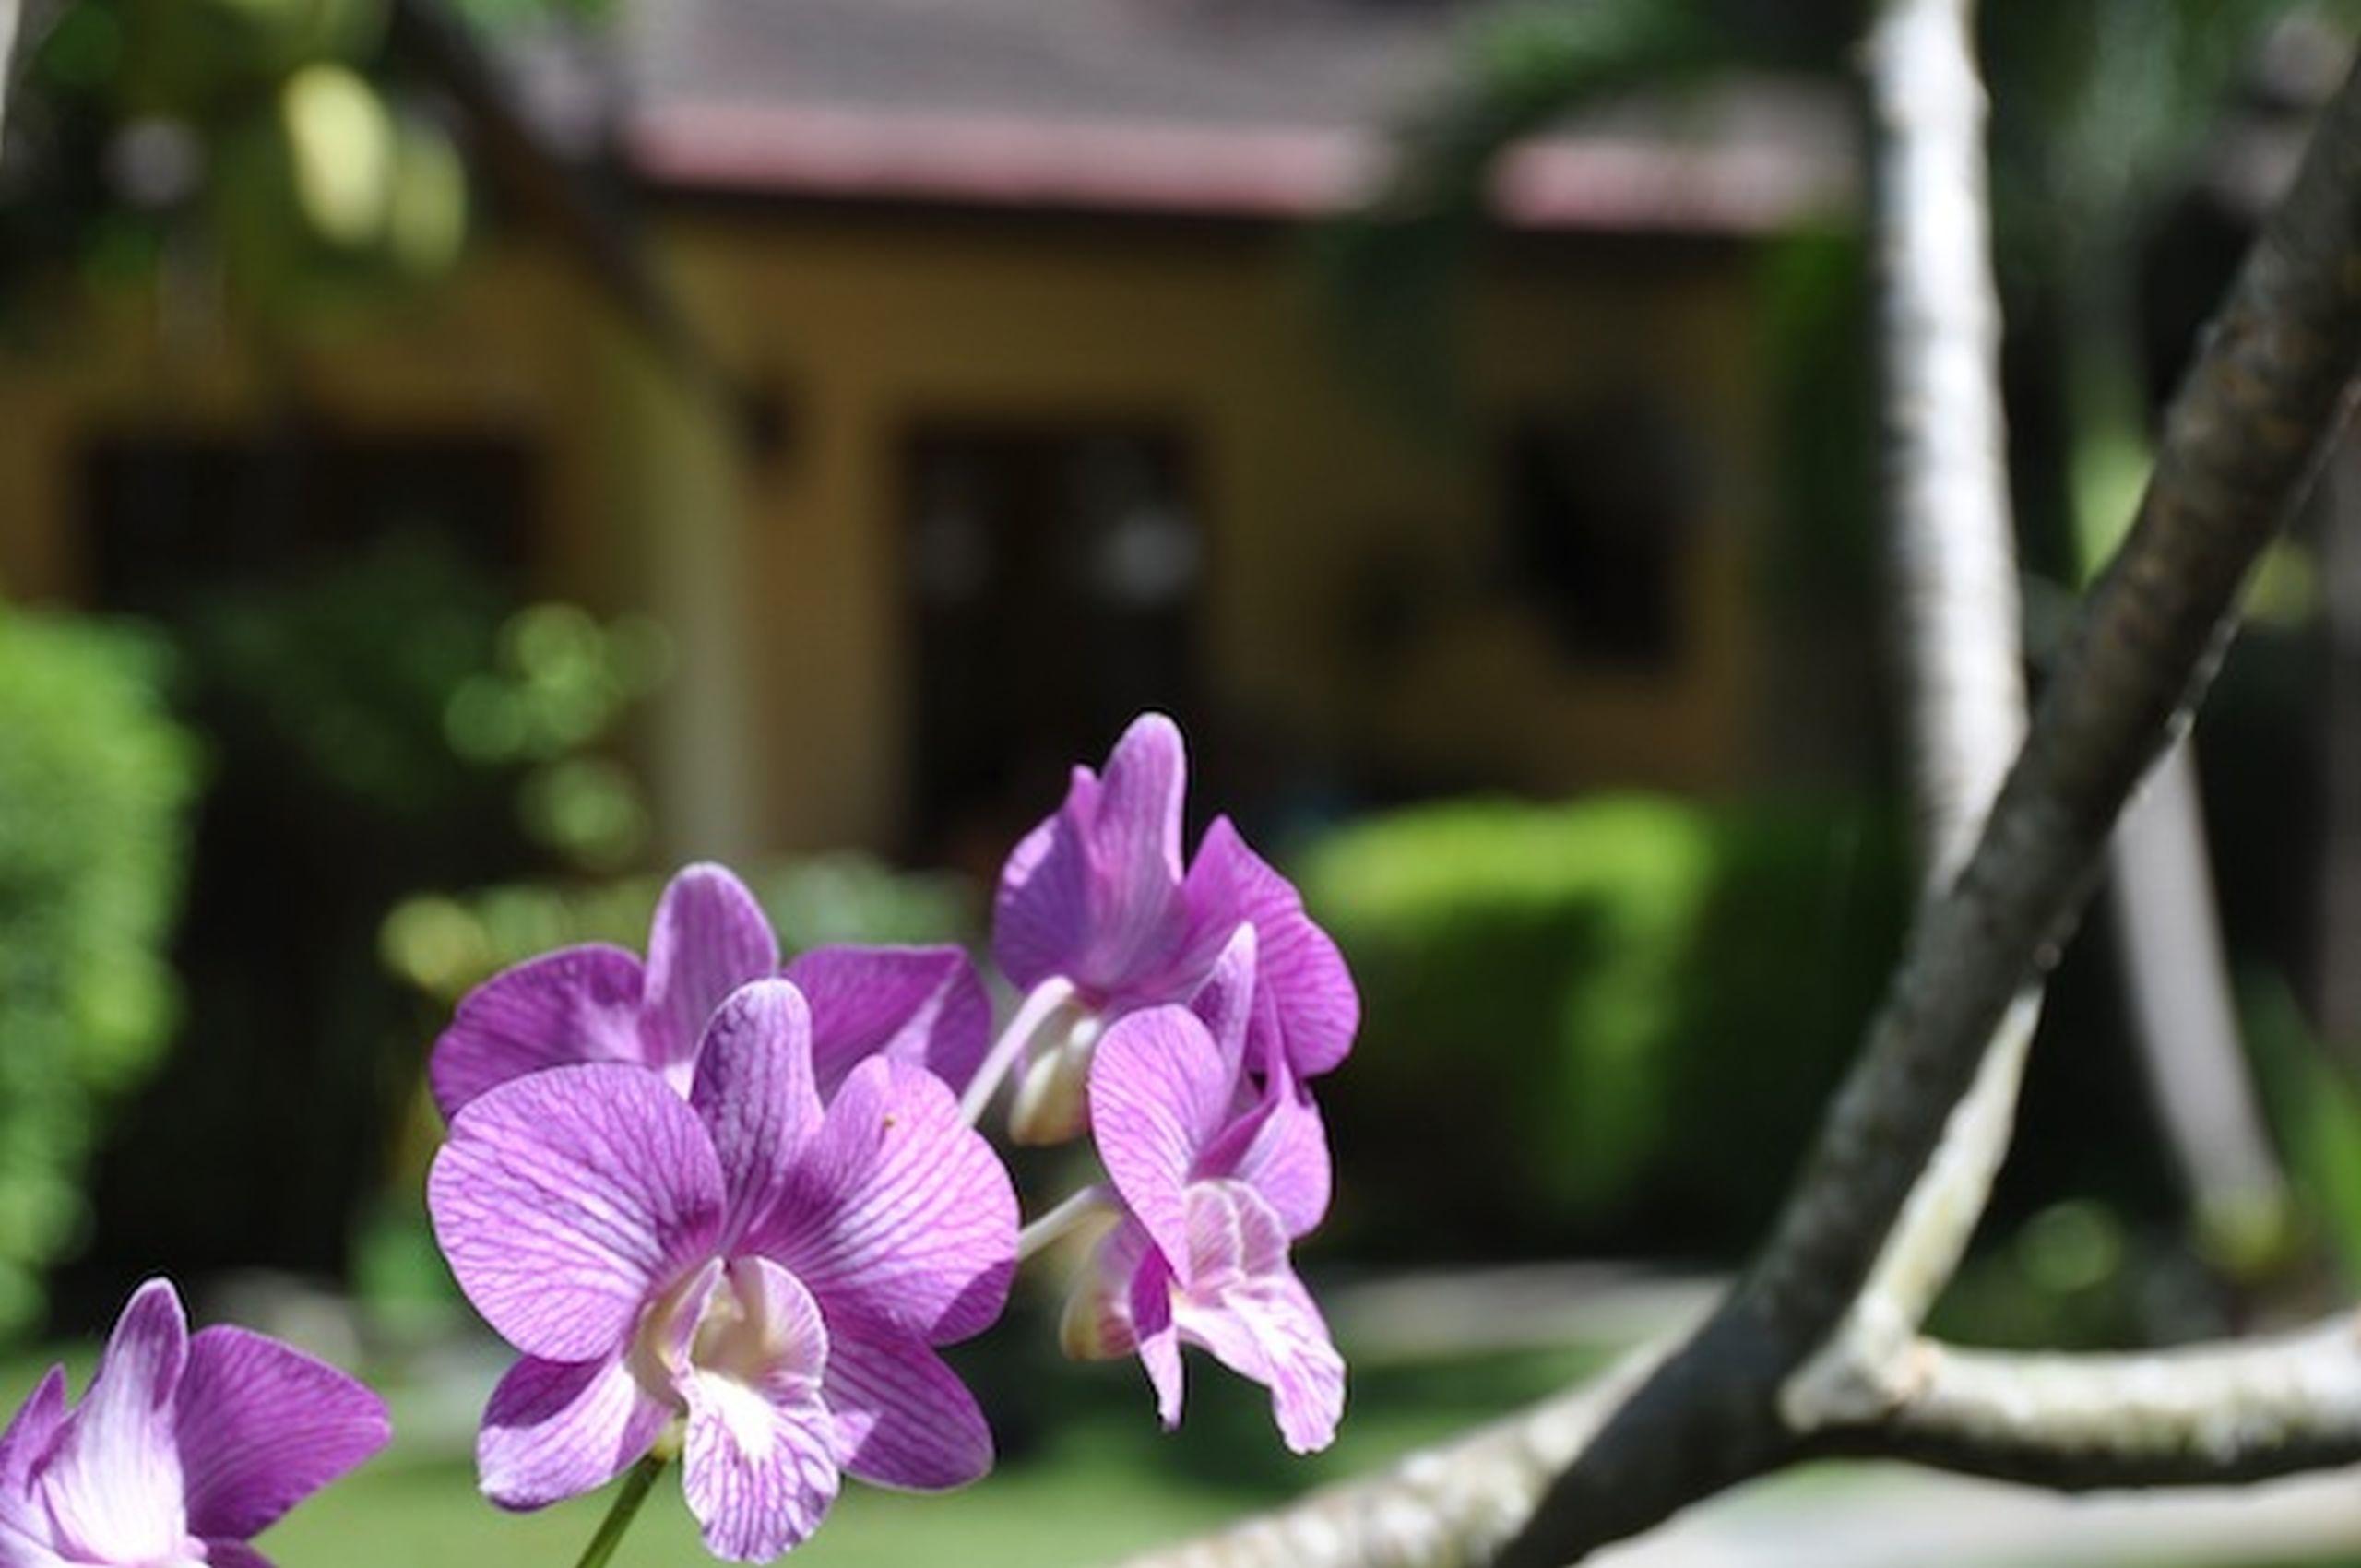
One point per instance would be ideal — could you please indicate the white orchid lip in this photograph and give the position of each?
(713, 1321)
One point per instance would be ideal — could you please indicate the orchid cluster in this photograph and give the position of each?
(732, 1208)
(729, 1210)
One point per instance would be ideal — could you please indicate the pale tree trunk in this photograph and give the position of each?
(2176, 984)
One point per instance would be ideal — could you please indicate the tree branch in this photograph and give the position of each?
(2201, 1416)
(2247, 433)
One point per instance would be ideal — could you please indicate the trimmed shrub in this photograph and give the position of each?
(1608, 1023)
(96, 782)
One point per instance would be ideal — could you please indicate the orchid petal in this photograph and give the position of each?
(1041, 910)
(1271, 1331)
(563, 1199)
(25, 1444)
(900, 1213)
(762, 1457)
(921, 1005)
(1242, 1301)
(1136, 910)
(1095, 893)
(231, 1554)
(1158, 1337)
(1279, 1149)
(21, 1542)
(31, 1431)
(753, 1091)
(556, 1429)
(904, 1418)
(112, 1481)
(759, 1476)
(1160, 1093)
(261, 1426)
(709, 937)
(1317, 1008)
(575, 1005)
(1224, 1001)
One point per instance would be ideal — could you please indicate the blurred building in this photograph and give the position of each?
(1027, 414)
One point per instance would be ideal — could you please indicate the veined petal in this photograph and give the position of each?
(26, 1440)
(1233, 1234)
(709, 937)
(900, 1213)
(112, 1481)
(555, 1430)
(1224, 1001)
(1279, 1149)
(1160, 1093)
(24, 1529)
(903, 1417)
(1311, 990)
(1157, 1336)
(753, 1090)
(759, 1471)
(563, 1201)
(919, 1004)
(261, 1426)
(1136, 911)
(1041, 910)
(575, 1005)
(1241, 1301)
(1269, 1330)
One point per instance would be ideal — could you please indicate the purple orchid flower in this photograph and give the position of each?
(598, 1003)
(1217, 1175)
(774, 1275)
(183, 1448)
(1096, 917)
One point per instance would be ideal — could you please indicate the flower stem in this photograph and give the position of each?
(1031, 1014)
(636, 1484)
(1061, 1220)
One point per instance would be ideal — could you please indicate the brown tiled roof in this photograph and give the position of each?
(1243, 108)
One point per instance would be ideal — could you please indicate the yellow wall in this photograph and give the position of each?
(866, 324)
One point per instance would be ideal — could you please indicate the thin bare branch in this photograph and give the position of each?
(1455, 1503)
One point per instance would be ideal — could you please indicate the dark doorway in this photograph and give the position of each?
(323, 593)
(1054, 574)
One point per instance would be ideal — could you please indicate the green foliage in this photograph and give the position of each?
(2316, 1112)
(272, 138)
(1625, 1010)
(402, 682)
(95, 783)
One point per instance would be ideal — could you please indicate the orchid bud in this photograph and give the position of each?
(1053, 1092)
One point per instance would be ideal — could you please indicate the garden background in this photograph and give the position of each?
(461, 461)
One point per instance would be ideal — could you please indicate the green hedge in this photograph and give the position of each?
(95, 784)
(1607, 1024)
